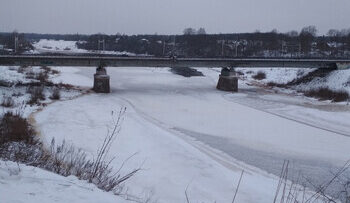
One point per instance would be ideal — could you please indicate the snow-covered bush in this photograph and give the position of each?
(36, 94)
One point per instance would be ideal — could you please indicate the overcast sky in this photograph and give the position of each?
(171, 16)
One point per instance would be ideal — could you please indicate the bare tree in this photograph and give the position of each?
(189, 31)
(344, 32)
(312, 30)
(292, 33)
(307, 36)
(333, 33)
(274, 31)
(201, 31)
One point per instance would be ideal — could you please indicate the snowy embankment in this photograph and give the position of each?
(67, 47)
(20, 183)
(336, 80)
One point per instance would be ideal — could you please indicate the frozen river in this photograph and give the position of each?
(255, 126)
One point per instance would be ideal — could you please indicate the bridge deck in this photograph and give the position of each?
(39, 60)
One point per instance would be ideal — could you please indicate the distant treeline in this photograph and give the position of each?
(36, 37)
(194, 43)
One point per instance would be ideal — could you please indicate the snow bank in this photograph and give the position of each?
(20, 183)
(337, 80)
(276, 75)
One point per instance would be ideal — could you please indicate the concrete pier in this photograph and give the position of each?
(101, 81)
(228, 80)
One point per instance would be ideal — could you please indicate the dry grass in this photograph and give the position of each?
(273, 84)
(22, 69)
(36, 94)
(7, 102)
(259, 76)
(328, 94)
(42, 76)
(56, 94)
(15, 128)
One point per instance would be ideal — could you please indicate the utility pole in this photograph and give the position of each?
(222, 48)
(101, 42)
(236, 48)
(174, 47)
(16, 44)
(163, 47)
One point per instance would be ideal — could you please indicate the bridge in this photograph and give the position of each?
(228, 79)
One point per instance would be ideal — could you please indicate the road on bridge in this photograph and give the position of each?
(38, 60)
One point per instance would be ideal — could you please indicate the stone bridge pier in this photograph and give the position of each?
(101, 80)
(228, 80)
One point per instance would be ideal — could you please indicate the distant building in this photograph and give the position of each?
(290, 47)
(2, 47)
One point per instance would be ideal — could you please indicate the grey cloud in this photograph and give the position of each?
(170, 16)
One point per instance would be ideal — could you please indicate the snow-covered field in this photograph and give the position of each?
(185, 133)
(45, 45)
(66, 47)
